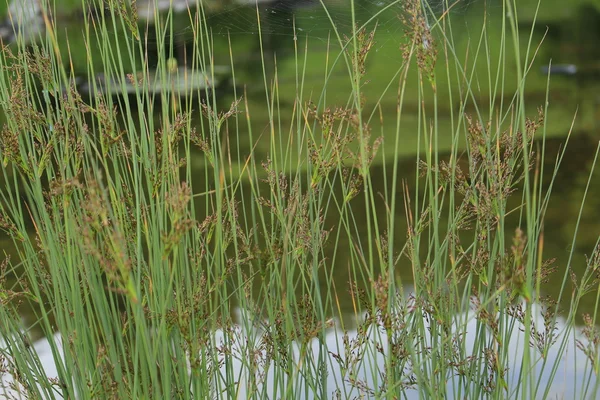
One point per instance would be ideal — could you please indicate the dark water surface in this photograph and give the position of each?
(570, 40)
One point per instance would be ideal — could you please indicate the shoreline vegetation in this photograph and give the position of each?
(166, 247)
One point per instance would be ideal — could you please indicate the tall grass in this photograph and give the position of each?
(161, 261)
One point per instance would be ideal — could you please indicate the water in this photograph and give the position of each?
(312, 25)
(286, 23)
(575, 379)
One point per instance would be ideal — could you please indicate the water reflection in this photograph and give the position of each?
(286, 23)
(575, 377)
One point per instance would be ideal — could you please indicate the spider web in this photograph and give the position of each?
(313, 19)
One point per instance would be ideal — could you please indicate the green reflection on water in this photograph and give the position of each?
(567, 95)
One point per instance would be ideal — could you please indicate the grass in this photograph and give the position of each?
(163, 259)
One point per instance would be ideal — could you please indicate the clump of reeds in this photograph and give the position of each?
(141, 266)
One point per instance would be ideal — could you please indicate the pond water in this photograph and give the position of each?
(285, 24)
(574, 377)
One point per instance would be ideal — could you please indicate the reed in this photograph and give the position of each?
(161, 260)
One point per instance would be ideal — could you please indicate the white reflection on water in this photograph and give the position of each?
(573, 376)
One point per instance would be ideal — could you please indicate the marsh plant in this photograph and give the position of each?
(161, 261)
